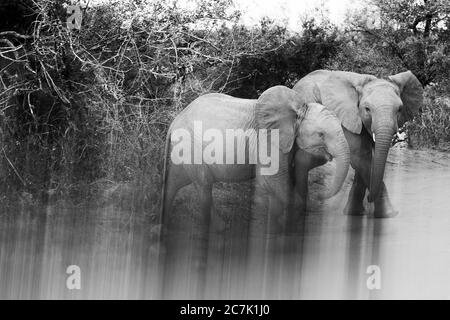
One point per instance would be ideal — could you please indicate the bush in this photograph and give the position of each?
(431, 128)
(363, 58)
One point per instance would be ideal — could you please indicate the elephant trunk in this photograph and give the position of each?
(383, 137)
(341, 153)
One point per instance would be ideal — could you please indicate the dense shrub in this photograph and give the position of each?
(296, 56)
(432, 127)
(363, 58)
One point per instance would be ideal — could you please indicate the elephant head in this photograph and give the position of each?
(381, 106)
(310, 127)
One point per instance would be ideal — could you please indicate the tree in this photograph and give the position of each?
(414, 32)
(284, 56)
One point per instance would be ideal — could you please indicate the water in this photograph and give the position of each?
(119, 256)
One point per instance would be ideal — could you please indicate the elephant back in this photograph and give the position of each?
(308, 88)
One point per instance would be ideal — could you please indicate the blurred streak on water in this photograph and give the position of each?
(328, 258)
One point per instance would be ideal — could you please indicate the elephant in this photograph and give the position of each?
(280, 111)
(371, 110)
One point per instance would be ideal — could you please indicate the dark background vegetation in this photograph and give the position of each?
(84, 113)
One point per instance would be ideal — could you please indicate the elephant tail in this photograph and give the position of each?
(164, 179)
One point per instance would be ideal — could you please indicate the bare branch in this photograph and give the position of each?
(15, 34)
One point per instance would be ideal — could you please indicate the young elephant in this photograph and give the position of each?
(279, 116)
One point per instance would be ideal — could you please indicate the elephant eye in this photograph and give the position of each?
(367, 109)
(321, 135)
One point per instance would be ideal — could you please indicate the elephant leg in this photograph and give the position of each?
(297, 211)
(207, 215)
(301, 185)
(200, 239)
(382, 205)
(258, 219)
(202, 217)
(276, 220)
(361, 159)
(354, 206)
(176, 179)
(269, 214)
(292, 217)
(202, 180)
(304, 162)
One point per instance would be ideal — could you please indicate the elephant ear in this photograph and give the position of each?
(309, 91)
(277, 108)
(340, 95)
(411, 93)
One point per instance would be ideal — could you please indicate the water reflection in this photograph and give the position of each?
(327, 257)
(37, 248)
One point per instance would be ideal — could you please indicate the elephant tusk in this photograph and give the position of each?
(373, 137)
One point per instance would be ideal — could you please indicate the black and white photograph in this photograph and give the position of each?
(227, 150)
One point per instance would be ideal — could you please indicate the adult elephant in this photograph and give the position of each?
(310, 127)
(371, 110)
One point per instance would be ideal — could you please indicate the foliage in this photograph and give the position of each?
(84, 112)
(432, 127)
(414, 33)
(364, 58)
(298, 55)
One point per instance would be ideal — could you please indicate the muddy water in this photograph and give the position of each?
(119, 256)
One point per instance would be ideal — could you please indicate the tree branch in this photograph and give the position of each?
(15, 34)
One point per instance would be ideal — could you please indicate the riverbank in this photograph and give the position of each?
(231, 199)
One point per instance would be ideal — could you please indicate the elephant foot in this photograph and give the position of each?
(352, 209)
(382, 214)
(383, 208)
